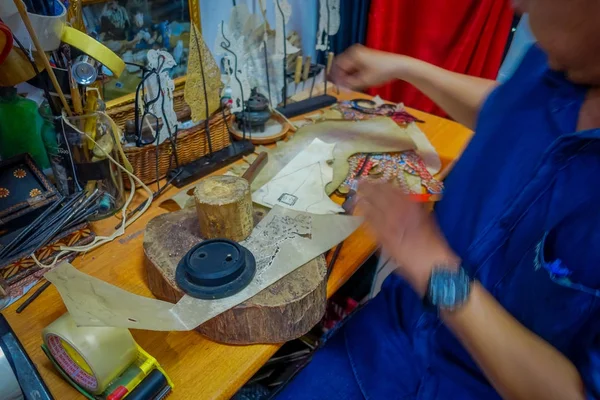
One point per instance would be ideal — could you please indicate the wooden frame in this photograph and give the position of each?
(75, 16)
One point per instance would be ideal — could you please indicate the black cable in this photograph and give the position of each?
(157, 155)
(136, 111)
(64, 135)
(226, 124)
(206, 123)
(140, 66)
(146, 73)
(157, 133)
(172, 137)
(268, 78)
(284, 56)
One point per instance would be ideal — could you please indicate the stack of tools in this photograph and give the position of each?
(104, 363)
(63, 215)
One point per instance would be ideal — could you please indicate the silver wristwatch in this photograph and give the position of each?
(448, 288)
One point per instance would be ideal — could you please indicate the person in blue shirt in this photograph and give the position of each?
(497, 294)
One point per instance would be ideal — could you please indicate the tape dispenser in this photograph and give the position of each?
(104, 363)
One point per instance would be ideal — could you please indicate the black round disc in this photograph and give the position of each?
(215, 269)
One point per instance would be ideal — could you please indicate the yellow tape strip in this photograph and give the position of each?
(94, 49)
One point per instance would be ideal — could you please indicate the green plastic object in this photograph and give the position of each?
(21, 128)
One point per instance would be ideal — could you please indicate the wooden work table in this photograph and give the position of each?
(199, 367)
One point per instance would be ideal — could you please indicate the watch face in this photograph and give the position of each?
(449, 289)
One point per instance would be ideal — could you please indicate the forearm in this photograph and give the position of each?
(518, 363)
(461, 96)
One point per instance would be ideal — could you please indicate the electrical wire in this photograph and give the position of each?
(101, 240)
(75, 178)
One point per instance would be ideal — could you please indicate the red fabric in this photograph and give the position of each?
(466, 36)
(6, 42)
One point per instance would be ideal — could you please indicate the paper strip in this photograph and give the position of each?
(283, 241)
(300, 185)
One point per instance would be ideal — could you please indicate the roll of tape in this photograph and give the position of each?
(94, 49)
(91, 356)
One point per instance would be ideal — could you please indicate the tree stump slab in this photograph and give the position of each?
(284, 311)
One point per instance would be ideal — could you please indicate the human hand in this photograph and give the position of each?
(407, 231)
(360, 67)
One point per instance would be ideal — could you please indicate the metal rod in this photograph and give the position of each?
(284, 55)
(206, 123)
(34, 296)
(64, 222)
(267, 69)
(41, 229)
(31, 226)
(265, 35)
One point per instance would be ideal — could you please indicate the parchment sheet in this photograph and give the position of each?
(378, 135)
(283, 241)
(300, 185)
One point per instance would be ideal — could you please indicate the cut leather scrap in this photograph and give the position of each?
(376, 135)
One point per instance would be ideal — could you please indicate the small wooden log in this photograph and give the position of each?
(284, 311)
(224, 208)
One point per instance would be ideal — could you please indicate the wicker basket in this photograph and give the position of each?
(124, 112)
(191, 143)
